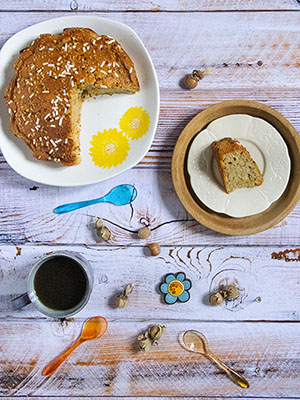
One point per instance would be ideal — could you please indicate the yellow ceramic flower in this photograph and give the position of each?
(135, 122)
(109, 148)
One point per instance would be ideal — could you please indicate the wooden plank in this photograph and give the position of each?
(266, 284)
(143, 5)
(150, 398)
(201, 40)
(178, 107)
(146, 398)
(266, 353)
(27, 215)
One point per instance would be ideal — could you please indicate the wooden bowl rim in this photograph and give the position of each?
(220, 222)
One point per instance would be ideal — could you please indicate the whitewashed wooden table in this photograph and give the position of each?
(261, 339)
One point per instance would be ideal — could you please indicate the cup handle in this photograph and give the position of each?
(20, 301)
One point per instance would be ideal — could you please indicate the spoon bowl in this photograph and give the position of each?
(195, 341)
(93, 328)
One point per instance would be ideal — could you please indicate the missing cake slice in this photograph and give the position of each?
(236, 166)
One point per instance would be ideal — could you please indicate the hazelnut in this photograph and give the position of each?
(190, 82)
(216, 299)
(154, 248)
(144, 232)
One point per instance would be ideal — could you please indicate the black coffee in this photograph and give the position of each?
(60, 283)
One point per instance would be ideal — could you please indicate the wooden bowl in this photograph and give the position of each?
(221, 222)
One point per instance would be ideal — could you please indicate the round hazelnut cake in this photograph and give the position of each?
(53, 76)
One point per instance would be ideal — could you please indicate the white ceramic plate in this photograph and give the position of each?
(98, 114)
(267, 148)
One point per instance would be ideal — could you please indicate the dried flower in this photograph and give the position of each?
(144, 232)
(156, 332)
(216, 299)
(144, 342)
(154, 248)
(98, 222)
(102, 231)
(198, 75)
(150, 337)
(122, 298)
(228, 292)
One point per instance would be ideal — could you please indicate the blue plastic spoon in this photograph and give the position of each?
(119, 195)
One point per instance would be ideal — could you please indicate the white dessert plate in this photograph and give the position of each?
(267, 148)
(98, 114)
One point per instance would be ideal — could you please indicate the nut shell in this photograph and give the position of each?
(154, 248)
(190, 82)
(144, 233)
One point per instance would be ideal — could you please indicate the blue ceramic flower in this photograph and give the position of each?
(176, 288)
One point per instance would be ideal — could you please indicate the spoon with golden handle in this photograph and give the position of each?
(92, 329)
(196, 342)
(233, 375)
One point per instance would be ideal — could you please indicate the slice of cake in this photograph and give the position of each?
(53, 76)
(236, 166)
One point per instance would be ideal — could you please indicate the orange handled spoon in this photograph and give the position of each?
(92, 329)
